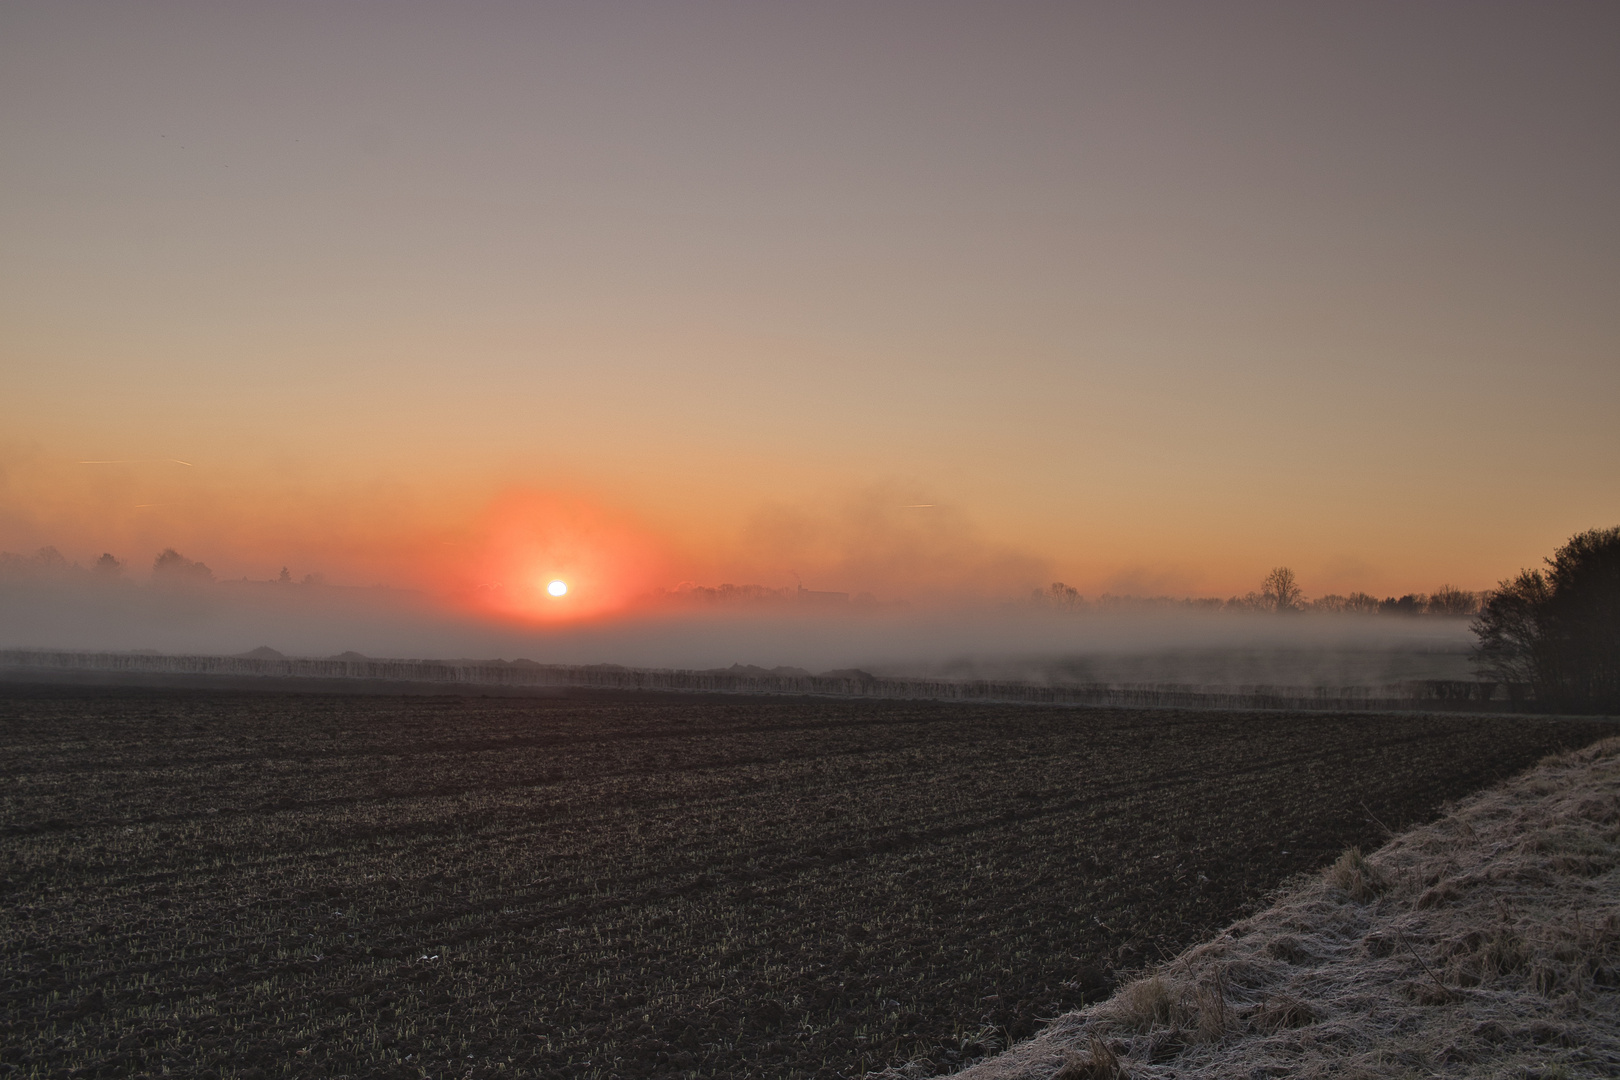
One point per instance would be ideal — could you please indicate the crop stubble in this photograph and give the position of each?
(288, 885)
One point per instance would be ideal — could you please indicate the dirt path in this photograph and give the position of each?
(1484, 945)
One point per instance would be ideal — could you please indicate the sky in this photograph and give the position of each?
(921, 300)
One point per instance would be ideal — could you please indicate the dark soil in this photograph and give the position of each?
(207, 884)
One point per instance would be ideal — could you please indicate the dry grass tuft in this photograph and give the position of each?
(1354, 875)
(1282, 1012)
(1436, 895)
(1486, 944)
(1214, 1018)
(1146, 1004)
(1098, 1063)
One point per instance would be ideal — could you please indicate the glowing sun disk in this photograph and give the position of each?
(557, 588)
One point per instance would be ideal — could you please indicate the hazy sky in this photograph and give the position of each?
(1140, 296)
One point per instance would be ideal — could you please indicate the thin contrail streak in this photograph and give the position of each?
(137, 461)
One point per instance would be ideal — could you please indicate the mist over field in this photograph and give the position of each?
(675, 541)
(1009, 640)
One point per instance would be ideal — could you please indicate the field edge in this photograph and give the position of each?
(1485, 943)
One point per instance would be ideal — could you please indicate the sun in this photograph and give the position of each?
(545, 558)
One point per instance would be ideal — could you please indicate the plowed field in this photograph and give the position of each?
(212, 884)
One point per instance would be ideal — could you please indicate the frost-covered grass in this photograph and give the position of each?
(1484, 945)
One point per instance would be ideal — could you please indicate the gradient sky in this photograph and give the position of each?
(1145, 297)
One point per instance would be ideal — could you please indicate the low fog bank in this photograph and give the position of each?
(1328, 663)
(1004, 642)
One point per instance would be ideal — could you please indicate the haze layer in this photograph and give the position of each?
(914, 300)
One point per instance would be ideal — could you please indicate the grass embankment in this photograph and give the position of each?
(1485, 944)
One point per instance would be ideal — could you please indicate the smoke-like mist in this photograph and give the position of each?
(181, 611)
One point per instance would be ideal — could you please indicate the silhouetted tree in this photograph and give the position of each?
(1361, 603)
(1450, 600)
(1509, 629)
(45, 563)
(1558, 630)
(1059, 595)
(172, 566)
(109, 565)
(1280, 590)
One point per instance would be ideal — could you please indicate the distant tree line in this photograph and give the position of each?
(47, 561)
(172, 566)
(168, 568)
(1551, 636)
(1279, 593)
(1446, 600)
(729, 595)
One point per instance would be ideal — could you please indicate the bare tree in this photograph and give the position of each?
(1361, 603)
(1450, 600)
(1059, 595)
(1280, 590)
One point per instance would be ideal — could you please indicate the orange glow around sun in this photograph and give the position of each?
(549, 558)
